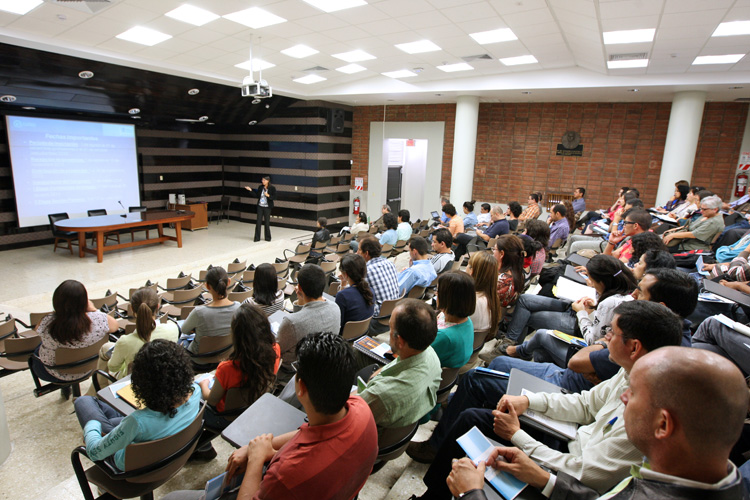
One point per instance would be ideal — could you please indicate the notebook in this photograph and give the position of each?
(380, 352)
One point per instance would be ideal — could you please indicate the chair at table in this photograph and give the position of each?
(80, 361)
(70, 236)
(211, 352)
(109, 235)
(147, 465)
(134, 230)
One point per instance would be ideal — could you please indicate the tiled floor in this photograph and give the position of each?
(44, 430)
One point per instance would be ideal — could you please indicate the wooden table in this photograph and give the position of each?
(200, 209)
(101, 224)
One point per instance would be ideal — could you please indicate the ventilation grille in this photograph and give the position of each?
(88, 6)
(315, 69)
(742, 99)
(628, 57)
(478, 57)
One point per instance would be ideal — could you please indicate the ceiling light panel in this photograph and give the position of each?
(733, 28)
(192, 15)
(299, 51)
(144, 36)
(628, 36)
(515, 61)
(450, 68)
(334, 5)
(354, 56)
(402, 73)
(350, 69)
(19, 6)
(309, 79)
(258, 64)
(418, 47)
(494, 36)
(724, 59)
(631, 63)
(255, 18)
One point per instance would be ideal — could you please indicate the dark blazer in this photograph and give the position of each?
(271, 194)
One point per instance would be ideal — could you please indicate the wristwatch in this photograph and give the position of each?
(601, 343)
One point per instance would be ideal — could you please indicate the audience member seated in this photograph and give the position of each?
(652, 259)
(329, 457)
(697, 234)
(405, 389)
(470, 218)
(266, 293)
(116, 358)
(613, 283)
(316, 315)
(456, 301)
(536, 249)
(510, 281)
(380, 224)
(570, 215)
(616, 227)
(403, 230)
(421, 272)
(642, 243)
(513, 213)
(533, 210)
(620, 244)
(444, 218)
(455, 223)
(579, 203)
(381, 273)
(712, 335)
(594, 215)
(736, 270)
(360, 224)
(558, 224)
(320, 236)
(685, 210)
(355, 297)
(75, 323)
(498, 225)
(686, 451)
(213, 319)
(483, 219)
(681, 190)
(251, 366)
(600, 455)
(390, 235)
(483, 268)
(442, 241)
(162, 380)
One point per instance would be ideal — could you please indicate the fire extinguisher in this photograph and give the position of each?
(740, 186)
(356, 202)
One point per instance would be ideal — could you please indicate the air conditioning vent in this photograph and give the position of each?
(314, 69)
(742, 99)
(88, 6)
(628, 57)
(478, 57)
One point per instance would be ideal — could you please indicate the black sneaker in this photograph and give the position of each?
(206, 452)
(421, 451)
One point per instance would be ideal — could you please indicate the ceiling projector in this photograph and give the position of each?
(259, 89)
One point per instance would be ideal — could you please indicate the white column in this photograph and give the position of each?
(464, 150)
(682, 142)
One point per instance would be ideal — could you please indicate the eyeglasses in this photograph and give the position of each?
(627, 222)
(295, 366)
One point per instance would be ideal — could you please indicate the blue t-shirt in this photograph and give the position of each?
(498, 228)
(353, 306)
(454, 344)
(389, 237)
(470, 220)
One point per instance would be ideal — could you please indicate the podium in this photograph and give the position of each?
(200, 209)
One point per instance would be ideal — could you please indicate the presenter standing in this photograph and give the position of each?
(266, 193)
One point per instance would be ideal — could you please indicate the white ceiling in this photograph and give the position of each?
(565, 36)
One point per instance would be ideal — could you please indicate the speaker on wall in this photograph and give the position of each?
(335, 120)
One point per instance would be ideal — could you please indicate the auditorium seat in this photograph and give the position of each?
(70, 236)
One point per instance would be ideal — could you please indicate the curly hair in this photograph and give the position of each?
(162, 377)
(253, 343)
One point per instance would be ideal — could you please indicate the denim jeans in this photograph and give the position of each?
(536, 311)
(89, 408)
(544, 348)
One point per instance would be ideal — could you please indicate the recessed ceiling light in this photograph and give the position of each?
(258, 64)
(194, 91)
(255, 18)
(515, 61)
(192, 15)
(494, 36)
(19, 6)
(252, 122)
(299, 51)
(450, 68)
(308, 79)
(418, 47)
(725, 59)
(8, 98)
(203, 118)
(628, 36)
(255, 101)
(354, 56)
(351, 68)
(28, 108)
(134, 111)
(632, 90)
(144, 36)
(402, 73)
(733, 28)
(334, 5)
(86, 74)
(627, 63)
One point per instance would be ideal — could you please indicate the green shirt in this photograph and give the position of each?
(404, 390)
(128, 346)
(454, 344)
(704, 231)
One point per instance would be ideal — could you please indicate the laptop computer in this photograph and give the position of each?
(572, 274)
(435, 215)
(577, 260)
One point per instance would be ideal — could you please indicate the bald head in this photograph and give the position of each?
(704, 393)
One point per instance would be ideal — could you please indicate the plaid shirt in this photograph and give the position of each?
(381, 275)
(531, 212)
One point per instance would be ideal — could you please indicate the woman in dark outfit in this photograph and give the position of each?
(266, 193)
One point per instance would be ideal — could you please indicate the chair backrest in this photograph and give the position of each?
(333, 288)
(240, 296)
(320, 245)
(226, 201)
(400, 246)
(108, 300)
(8, 328)
(355, 329)
(213, 344)
(184, 296)
(335, 240)
(458, 263)
(185, 311)
(282, 268)
(20, 349)
(153, 286)
(35, 318)
(385, 251)
(136, 209)
(558, 242)
(97, 211)
(248, 276)
(386, 308)
(424, 233)
(392, 442)
(282, 283)
(178, 283)
(416, 292)
(54, 218)
(447, 381)
(174, 451)
(67, 355)
(129, 328)
(373, 230)
(236, 267)
(328, 267)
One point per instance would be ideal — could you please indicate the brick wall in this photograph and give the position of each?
(623, 145)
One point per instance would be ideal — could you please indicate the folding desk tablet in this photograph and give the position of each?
(724, 291)
(572, 274)
(577, 260)
(268, 414)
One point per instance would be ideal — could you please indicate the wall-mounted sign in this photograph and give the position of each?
(359, 183)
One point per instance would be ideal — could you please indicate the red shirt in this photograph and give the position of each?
(228, 374)
(325, 462)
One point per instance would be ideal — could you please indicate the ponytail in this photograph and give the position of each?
(354, 266)
(218, 279)
(145, 304)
